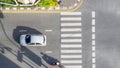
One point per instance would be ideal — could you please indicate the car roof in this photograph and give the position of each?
(37, 38)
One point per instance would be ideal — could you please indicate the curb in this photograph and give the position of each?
(43, 9)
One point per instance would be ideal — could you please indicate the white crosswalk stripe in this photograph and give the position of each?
(71, 39)
(71, 35)
(71, 61)
(71, 56)
(73, 66)
(71, 13)
(70, 29)
(71, 24)
(71, 51)
(71, 19)
(71, 45)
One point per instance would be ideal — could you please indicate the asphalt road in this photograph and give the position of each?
(108, 33)
(13, 25)
(107, 36)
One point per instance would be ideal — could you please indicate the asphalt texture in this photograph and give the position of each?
(107, 36)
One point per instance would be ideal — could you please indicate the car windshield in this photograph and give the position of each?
(27, 38)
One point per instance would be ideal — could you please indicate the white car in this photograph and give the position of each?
(33, 40)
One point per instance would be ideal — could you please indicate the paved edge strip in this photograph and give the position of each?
(44, 11)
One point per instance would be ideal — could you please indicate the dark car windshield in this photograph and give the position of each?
(27, 39)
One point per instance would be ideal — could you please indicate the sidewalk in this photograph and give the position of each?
(66, 5)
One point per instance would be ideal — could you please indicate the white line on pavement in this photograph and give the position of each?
(93, 66)
(71, 51)
(93, 29)
(71, 45)
(93, 36)
(71, 35)
(93, 14)
(71, 13)
(48, 30)
(93, 54)
(71, 24)
(71, 29)
(73, 66)
(93, 60)
(71, 40)
(93, 42)
(71, 19)
(49, 52)
(93, 22)
(93, 48)
(71, 56)
(71, 61)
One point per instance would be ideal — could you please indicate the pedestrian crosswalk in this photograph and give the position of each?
(71, 41)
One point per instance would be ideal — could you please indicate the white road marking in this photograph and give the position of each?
(93, 66)
(70, 29)
(71, 40)
(71, 35)
(49, 52)
(71, 56)
(71, 13)
(93, 54)
(71, 19)
(71, 61)
(48, 30)
(93, 60)
(93, 42)
(71, 45)
(73, 66)
(93, 48)
(71, 51)
(93, 29)
(93, 36)
(71, 24)
(93, 22)
(93, 14)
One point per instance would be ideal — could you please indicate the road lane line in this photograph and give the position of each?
(71, 56)
(71, 35)
(70, 18)
(48, 51)
(93, 14)
(93, 36)
(93, 48)
(93, 22)
(93, 42)
(93, 60)
(93, 54)
(93, 66)
(71, 51)
(70, 13)
(71, 40)
(70, 61)
(93, 29)
(70, 29)
(48, 30)
(71, 24)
